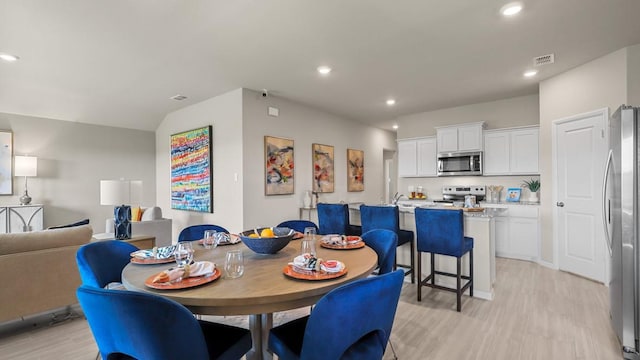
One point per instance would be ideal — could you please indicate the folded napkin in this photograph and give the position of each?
(155, 253)
(306, 262)
(332, 266)
(333, 239)
(199, 268)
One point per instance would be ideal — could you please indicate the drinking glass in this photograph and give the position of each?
(234, 264)
(308, 246)
(183, 253)
(209, 240)
(309, 232)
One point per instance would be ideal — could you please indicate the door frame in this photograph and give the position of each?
(604, 115)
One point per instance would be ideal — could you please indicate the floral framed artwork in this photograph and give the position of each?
(6, 160)
(323, 170)
(279, 166)
(191, 174)
(355, 170)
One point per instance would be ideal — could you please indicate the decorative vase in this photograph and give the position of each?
(533, 197)
(306, 199)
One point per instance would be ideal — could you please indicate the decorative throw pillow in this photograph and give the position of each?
(136, 213)
(79, 223)
(152, 213)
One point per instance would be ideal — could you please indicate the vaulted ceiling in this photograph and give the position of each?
(117, 63)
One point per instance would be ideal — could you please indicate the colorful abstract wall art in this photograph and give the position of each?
(191, 175)
(279, 166)
(323, 179)
(355, 170)
(6, 159)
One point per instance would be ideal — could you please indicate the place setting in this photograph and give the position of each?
(186, 274)
(307, 265)
(213, 238)
(341, 242)
(157, 255)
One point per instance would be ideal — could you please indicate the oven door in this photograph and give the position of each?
(460, 164)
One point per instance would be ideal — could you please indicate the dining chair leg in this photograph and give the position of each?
(395, 357)
(458, 283)
(419, 276)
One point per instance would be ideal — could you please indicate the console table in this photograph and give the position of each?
(21, 218)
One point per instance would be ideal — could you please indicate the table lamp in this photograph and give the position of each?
(26, 166)
(119, 193)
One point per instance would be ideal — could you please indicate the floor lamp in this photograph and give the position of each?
(26, 166)
(118, 193)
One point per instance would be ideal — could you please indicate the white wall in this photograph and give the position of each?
(512, 112)
(72, 159)
(224, 113)
(633, 75)
(598, 84)
(305, 126)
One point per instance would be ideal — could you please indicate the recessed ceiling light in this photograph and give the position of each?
(391, 102)
(511, 9)
(9, 57)
(395, 127)
(324, 70)
(530, 73)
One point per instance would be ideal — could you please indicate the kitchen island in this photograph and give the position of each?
(478, 225)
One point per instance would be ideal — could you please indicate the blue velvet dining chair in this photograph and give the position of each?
(388, 217)
(298, 225)
(352, 321)
(129, 324)
(334, 219)
(100, 263)
(384, 243)
(441, 232)
(196, 232)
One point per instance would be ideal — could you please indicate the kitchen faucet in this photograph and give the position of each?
(397, 197)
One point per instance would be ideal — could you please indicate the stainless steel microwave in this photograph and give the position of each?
(460, 164)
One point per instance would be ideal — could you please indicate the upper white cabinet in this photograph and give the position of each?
(511, 151)
(417, 157)
(467, 137)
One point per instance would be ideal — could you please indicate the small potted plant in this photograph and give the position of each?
(534, 187)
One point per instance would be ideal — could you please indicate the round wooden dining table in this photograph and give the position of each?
(261, 291)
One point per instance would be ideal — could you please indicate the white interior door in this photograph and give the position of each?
(580, 148)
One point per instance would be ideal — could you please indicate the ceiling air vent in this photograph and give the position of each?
(178, 97)
(543, 60)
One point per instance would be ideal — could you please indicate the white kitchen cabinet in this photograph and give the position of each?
(511, 151)
(417, 157)
(517, 232)
(24, 218)
(465, 137)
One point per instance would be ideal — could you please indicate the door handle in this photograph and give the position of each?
(560, 204)
(605, 185)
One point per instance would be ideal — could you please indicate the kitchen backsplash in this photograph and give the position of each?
(433, 186)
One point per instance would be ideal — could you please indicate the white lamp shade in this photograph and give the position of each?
(120, 192)
(26, 166)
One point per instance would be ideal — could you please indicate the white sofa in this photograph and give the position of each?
(152, 223)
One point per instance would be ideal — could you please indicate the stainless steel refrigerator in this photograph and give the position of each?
(621, 201)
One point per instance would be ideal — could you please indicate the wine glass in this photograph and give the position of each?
(209, 240)
(183, 253)
(234, 264)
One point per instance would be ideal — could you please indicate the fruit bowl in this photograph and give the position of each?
(267, 244)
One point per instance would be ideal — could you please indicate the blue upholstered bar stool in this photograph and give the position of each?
(352, 321)
(441, 232)
(334, 219)
(384, 243)
(130, 324)
(196, 232)
(388, 217)
(298, 225)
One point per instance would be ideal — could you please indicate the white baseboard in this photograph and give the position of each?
(547, 264)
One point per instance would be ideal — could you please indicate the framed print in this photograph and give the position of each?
(513, 194)
(355, 170)
(323, 174)
(6, 160)
(191, 174)
(279, 166)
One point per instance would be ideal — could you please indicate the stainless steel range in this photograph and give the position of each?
(457, 193)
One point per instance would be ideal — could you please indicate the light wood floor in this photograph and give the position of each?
(537, 313)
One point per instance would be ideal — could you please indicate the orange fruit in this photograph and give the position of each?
(254, 235)
(267, 233)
